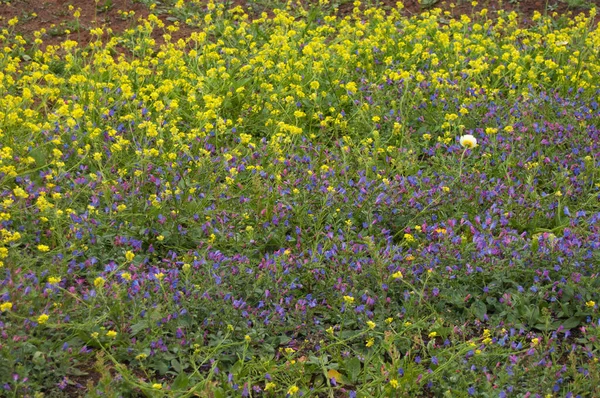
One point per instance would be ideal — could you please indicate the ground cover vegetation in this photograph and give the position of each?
(302, 204)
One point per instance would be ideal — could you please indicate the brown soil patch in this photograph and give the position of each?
(56, 16)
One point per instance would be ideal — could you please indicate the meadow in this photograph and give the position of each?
(302, 204)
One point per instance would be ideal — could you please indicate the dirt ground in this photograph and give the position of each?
(56, 16)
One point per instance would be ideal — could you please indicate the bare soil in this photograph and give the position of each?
(56, 16)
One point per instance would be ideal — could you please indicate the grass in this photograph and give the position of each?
(283, 206)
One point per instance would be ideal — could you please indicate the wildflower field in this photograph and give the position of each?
(302, 203)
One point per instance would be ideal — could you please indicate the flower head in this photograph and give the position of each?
(468, 141)
(270, 385)
(6, 306)
(590, 304)
(99, 282)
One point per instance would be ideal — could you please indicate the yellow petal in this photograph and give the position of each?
(332, 373)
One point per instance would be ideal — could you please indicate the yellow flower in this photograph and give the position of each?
(329, 330)
(535, 341)
(99, 282)
(129, 255)
(389, 320)
(293, 390)
(590, 304)
(126, 276)
(53, 280)
(432, 335)
(371, 324)
(20, 193)
(397, 275)
(157, 386)
(111, 333)
(468, 141)
(42, 319)
(269, 386)
(140, 357)
(370, 342)
(6, 306)
(394, 383)
(43, 248)
(247, 338)
(349, 299)
(94, 335)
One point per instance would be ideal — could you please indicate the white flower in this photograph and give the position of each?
(468, 141)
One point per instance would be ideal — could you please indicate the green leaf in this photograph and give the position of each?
(39, 358)
(571, 323)
(39, 155)
(181, 382)
(479, 309)
(162, 367)
(543, 327)
(218, 393)
(76, 372)
(138, 327)
(176, 365)
(353, 368)
(534, 315)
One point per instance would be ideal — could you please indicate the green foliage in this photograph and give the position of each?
(286, 205)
